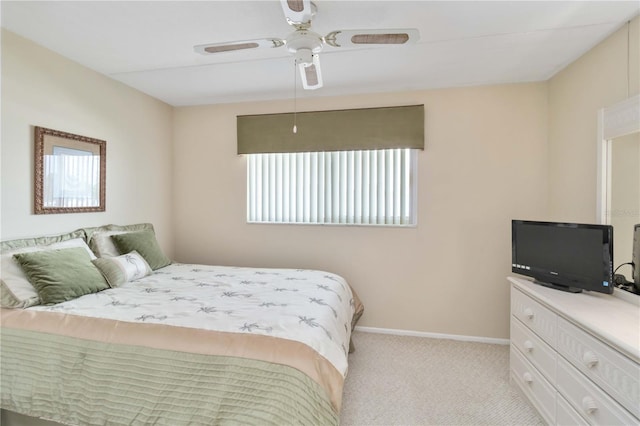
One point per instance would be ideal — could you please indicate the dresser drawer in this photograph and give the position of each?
(566, 415)
(535, 316)
(613, 372)
(534, 349)
(541, 394)
(588, 399)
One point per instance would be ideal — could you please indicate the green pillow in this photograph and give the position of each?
(145, 243)
(61, 275)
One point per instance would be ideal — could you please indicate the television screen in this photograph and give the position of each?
(567, 256)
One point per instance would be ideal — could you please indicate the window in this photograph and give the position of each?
(353, 166)
(369, 187)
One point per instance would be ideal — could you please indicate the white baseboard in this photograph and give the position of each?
(398, 332)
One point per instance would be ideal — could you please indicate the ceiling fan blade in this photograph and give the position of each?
(310, 73)
(379, 37)
(297, 12)
(230, 46)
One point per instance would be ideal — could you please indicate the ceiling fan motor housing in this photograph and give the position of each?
(304, 41)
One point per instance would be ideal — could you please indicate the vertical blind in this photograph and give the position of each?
(341, 187)
(72, 181)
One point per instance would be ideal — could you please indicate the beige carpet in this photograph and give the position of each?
(400, 380)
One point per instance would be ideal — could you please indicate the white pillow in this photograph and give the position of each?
(15, 289)
(121, 269)
(102, 244)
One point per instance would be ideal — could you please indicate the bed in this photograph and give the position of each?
(179, 344)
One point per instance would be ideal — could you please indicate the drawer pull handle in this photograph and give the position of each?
(528, 345)
(527, 377)
(589, 405)
(528, 313)
(590, 359)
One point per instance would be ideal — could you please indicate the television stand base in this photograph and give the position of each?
(566, 288)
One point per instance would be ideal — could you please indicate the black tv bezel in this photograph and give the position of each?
(557, 281)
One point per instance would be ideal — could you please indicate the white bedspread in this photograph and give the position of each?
(312, 307)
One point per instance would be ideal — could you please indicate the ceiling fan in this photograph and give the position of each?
(305, 44)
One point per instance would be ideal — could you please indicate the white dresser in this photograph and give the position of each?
(576, 356)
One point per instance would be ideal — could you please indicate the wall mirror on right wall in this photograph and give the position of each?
(619, 175)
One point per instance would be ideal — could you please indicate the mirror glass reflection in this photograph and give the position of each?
(69, 172)
(625, 196)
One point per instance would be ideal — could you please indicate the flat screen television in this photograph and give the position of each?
(565, 256)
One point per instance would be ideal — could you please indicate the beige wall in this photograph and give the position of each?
(484, 164)
(492, 154)
(596, 80)
(41, 88)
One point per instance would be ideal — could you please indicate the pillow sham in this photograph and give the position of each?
(102, 244)
(15, 289)
(99, 238)
(124, 268)
(61, 275)
(145, 243)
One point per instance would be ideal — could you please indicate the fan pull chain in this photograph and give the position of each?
(295, 94)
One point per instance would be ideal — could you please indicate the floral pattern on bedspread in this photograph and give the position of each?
(312, 307)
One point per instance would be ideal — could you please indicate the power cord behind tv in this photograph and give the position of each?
(620, 281)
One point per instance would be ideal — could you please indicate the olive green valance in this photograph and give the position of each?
(338, 130)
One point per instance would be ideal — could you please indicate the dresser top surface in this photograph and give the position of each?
(608, 318)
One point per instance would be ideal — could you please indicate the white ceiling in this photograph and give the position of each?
(149, 44)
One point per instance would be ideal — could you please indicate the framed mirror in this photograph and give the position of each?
(618, 195)
(69, 175)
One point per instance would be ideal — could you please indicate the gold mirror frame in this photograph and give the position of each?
(44, 140)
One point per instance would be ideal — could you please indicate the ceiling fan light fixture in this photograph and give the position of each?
(304, 57)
